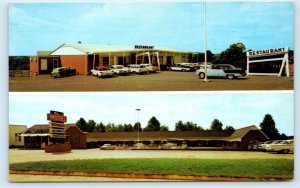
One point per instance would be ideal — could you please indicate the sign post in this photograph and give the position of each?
(268, 62)
(57, 133)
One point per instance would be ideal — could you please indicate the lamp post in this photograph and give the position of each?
(138, 132)
(205, 44)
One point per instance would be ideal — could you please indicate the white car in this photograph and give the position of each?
(284, 146)
(138, 69)
(120, 69)
(151, 68)
(179, 67)
(102, 72)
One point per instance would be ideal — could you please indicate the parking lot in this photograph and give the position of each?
(16, 155)
(161, 81)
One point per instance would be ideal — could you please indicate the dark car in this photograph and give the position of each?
(62, 72)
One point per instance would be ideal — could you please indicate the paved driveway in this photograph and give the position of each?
(162, 81)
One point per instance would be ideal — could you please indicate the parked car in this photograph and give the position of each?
(193, 66)
(139, 146)
(262, 145)
(138, 69)
(107, 147)
(62, 72)
(221, 70)
(179, 67)
(284, 146)
(102, 72)
(151, 68)
(169, 146)
(120, 69)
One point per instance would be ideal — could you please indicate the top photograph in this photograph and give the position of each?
(151, 46)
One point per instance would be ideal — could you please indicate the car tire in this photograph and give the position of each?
(183, 70)
(202, 75)
(230, 76)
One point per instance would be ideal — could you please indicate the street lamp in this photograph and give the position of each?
(138, 132)
(205, 44)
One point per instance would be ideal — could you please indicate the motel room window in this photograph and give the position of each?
(44, 64)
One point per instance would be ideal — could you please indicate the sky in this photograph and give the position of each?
(45, 26)
(237, 109)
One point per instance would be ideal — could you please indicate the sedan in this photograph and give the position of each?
(107, 147)
(179, 67)
(221, 70)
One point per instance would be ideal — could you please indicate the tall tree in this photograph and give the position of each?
(137, 127)
(120, 128)
(234, 55)
(229, 128)
(81, 124)
(128, 128)
(268, 126)
(164, 128)
(216, 125)
(91, 125)
(179, 126)
(110, 127)
(100, 127)
(153, 125)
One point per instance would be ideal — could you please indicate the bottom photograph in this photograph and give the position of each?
(140, 136)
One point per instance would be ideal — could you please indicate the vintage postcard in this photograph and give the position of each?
(168, 91)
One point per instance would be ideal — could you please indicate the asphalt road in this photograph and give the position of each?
(161, 81)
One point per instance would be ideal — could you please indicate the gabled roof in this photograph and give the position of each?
(43, 53)
(79, 49)
(238, 134)
(42, 128)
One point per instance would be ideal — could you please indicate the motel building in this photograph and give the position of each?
(38, 136)
(85, 57)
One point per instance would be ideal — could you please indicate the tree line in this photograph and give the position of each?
(267, 126)
(152, 125)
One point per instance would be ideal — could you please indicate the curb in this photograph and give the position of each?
(145, 176)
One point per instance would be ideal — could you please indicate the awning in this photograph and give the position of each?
(32, 135)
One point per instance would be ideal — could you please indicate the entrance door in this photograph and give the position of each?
(55, 63)
(169, 60)
(122, 60)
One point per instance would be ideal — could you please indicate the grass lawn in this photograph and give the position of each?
(251, 168)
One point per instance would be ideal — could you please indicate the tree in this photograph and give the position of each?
(153, 125)
(268, 127)
(100, 127)
(110, 127)
(120, 128)
(90, 126)
(229, 128)
(216, 125)
(81, 124)
(164, 128)
(234, 55)
(187, 126)
(137, 127)
(179, 126)
(128, 128)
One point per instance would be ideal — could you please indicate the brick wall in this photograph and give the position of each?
(77, 138)
(54, 148)
(78, 62)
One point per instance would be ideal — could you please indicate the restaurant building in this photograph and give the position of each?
(84, 57)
